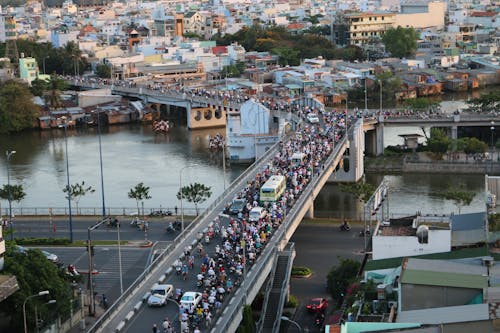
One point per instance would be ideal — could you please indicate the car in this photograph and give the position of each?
(256, 214)
(312, 118)
(237, 206)
(190, 298)
(161, 213)
(160, 294)
(50, 256)
(317, 305)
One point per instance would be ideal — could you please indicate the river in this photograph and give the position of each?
(134, 153)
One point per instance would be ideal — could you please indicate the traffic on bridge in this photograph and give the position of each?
(207, 263)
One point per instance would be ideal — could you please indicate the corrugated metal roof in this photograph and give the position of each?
(468, 221)
(446, 266)
(450, 314)
(358, 327)
(444, 279)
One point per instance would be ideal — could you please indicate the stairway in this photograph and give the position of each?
(277, 293)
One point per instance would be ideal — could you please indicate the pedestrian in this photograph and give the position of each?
(166, 325)
(155, 328)
(175, 210)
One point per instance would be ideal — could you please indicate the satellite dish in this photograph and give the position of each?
(423, 233)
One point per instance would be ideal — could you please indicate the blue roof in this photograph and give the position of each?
(359, 327)
(471, 221)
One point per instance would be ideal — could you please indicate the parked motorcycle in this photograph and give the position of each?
(366, 233)
(345, 227)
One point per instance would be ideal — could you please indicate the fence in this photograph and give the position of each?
(90, 211)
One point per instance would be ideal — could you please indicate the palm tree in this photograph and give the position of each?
(139, 193)
(54, 88)
(196, 193)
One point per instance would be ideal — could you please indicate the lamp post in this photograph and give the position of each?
(52, 301)
(41, 293)
(380, 82)
(67, 179)
(91, 264)
(366, 97)
(9, 155)
(100, 162)
(182, 195)
(284, 318)
(224, 163)
(492, 128)
(119, 256)
(44, 64)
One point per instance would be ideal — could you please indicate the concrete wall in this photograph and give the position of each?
(417, 297)
(491, 168)
(433, 18)
(96, 97)
(473, 326)
(206, 118)
(400, 246)
(352, 170)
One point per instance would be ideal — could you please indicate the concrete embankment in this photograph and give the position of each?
(402, 165)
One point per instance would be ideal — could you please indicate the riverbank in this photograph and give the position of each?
(422, 163)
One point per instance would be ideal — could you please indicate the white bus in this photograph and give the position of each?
(273, 188)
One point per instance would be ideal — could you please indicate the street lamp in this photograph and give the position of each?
(120, 256)
(492, 128)
(100, 162)
(380, 82)
(284, 318)
(52, 301)
(44, 64)
(180, 190)
(65, 123)
(366, 97)
(9, 155)
(41, 293)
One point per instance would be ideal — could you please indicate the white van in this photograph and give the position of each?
(298, 158)
(256, 214)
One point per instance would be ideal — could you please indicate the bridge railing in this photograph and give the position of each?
(231, 312)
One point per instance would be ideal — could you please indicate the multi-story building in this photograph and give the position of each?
(366, 26)
(422, 15)
(28, 69)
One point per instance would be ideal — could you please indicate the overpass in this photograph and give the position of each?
(117, 317)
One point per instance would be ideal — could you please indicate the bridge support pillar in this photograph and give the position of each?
(454, 137)
(310, 211)
(380, 137)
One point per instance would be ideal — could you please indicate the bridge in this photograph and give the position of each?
(271, 268)
(203, 112)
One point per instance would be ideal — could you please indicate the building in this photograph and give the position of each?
(422, 15)
(412, 236)
(364, 27)
(28, 69)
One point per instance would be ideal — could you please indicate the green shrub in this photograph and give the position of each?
(293, 302)
(42, 241)
(301, 271)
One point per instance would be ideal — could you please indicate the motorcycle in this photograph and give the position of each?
(345, 227)
(364, 233)
(170, 229)
(320, 318)
(161, 213)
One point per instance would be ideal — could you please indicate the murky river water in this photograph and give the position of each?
(133, 154)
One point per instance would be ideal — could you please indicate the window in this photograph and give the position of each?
(382, 18)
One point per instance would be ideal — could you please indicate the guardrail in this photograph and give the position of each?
(231, 312)
(88, 211)
(188, 231)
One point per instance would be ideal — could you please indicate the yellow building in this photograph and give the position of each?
(369, 25)
(422, 15)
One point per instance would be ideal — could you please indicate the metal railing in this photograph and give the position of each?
(89, 211)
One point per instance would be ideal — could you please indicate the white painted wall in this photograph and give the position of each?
(400, 246)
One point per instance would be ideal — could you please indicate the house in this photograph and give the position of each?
(410, 236)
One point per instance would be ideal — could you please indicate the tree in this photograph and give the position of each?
(288, 56)
(438, 143)
(361, 190)
(103, 71)
(420, 104)
(472, 145)
(38, 87)
(77, 191)
(139, 193)
(195, 193)
(459, 195)
(341, 276)
(17, 110)
(401, 42)
(54, 88)
(486, 102)
(34, 273)
(16, 191)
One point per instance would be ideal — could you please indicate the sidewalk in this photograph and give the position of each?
(89, 321)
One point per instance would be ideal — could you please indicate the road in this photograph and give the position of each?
(319, 247)
(107, 281)
(59, 228)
